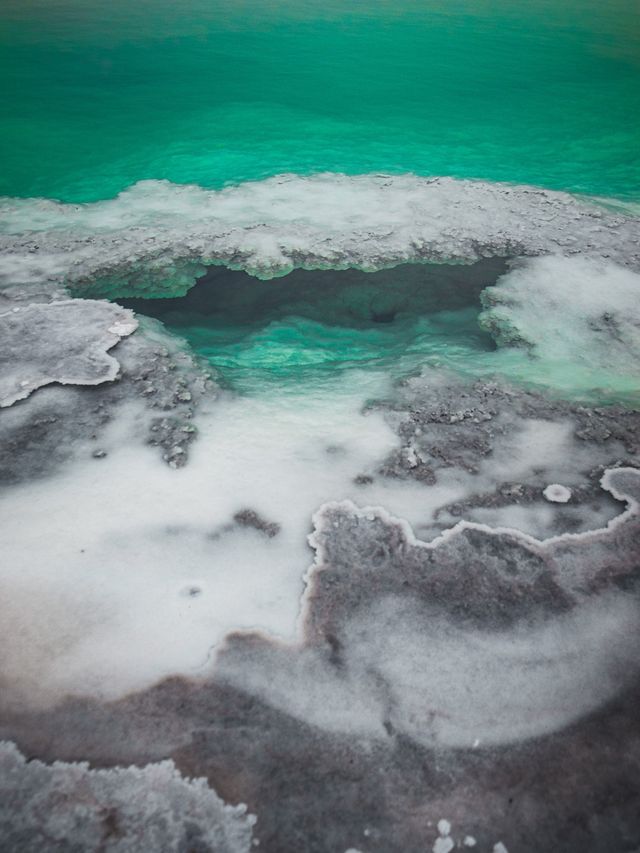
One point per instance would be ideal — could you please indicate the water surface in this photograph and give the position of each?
(98, 96)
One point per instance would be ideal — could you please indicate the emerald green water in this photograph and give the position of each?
(99, 95)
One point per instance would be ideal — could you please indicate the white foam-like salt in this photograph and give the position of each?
(579, 313)
(98, 558)
(155, 236)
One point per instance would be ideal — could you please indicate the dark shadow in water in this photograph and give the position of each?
(333, 297)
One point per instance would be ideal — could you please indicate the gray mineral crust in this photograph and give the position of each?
(73, 809)
(64, 342)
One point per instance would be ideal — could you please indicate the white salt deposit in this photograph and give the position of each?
(63, 342)
(450, 685)
(155, 236)
(63, 806)
(556, 493)
(120, 571)
(581, 313)
(444, 827)
(97, 558)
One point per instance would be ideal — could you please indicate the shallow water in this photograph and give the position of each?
(316, 328)
(323, 329)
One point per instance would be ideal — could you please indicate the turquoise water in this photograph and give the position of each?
(296, 350)
(315, 328)
(285, 355)
(325, 329)
(97, 96)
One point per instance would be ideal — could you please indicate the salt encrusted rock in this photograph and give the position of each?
(70, 808)
(495, 419)
(61, 421)
(64, 342)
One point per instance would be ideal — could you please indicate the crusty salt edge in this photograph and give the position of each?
(381, 513)
(320, 520)
(155, 237)
(562, 650)
(35, 338)
(153, 807)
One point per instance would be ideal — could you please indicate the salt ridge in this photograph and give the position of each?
(156, 237)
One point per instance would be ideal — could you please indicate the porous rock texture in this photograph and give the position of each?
(447, 426)
(70, 808)
(150, 379)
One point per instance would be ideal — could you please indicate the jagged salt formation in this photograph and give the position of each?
(483, 634)
(155, 238)
(69, 808)
(64, 342)
(151, 390)
(509, 444)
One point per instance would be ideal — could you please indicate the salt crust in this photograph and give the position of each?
(581, 312)
(623, 483)
(63, 342)
(69, 807)
(155, 237)
(556, 493)
(451, 682)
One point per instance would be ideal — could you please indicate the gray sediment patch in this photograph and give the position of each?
(155, 383)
